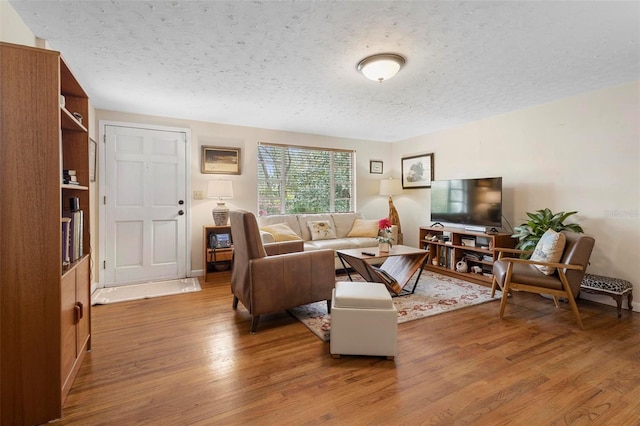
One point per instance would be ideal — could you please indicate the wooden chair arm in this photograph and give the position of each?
(538, 262)
(511, 250)
(503, 250)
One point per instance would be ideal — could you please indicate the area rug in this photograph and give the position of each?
(435, 294)
(148, 290)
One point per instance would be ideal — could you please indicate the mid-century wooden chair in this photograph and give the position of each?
(515, 274)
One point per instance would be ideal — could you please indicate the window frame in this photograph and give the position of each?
(283, 194)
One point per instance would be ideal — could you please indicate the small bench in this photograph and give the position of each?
(614, 287)
(364, 320)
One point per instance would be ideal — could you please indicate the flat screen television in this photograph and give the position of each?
(470, 202)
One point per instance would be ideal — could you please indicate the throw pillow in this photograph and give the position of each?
(321, 230)
(281, 232)
(364, 228)
(549, 249)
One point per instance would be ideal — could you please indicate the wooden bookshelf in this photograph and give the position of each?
(45, 306)
(445, 254)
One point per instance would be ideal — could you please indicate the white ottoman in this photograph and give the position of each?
(363, 320)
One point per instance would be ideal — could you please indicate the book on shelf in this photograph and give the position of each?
(66, 242)
(75, 234)
(70, 177)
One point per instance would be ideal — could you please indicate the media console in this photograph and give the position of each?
(447, 246)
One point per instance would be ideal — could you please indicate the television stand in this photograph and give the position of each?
(476, 248)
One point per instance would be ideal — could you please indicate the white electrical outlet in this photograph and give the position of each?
(198, 194)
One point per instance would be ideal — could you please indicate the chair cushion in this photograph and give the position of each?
(321, 230)
(281, 232)
(549, 249)
(362, 295)
(525, 274)
(364, 228)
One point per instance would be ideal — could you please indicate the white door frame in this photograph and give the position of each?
(102, 189)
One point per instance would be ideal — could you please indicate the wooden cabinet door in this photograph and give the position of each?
(83, 299)
(68, 324)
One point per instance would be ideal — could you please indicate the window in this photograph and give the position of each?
(294, 179)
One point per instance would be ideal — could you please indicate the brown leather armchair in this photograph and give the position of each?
(515, 274)
(266, 284)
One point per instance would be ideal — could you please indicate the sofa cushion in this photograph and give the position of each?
(304, 218)
(281, 232)
(321, 230)
(344, 222)
(549, 249)
(290, 220)
(334, 244)
(364, 228)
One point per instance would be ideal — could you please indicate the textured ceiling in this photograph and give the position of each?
(291, 65)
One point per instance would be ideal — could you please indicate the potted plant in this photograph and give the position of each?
(529, 233)
(384, 238)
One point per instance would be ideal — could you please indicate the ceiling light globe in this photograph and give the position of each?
(381, 67)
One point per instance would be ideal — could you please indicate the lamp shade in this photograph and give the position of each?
(390, 187)
(220, 189)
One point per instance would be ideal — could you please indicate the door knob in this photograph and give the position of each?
(181, 212)
(181, 202)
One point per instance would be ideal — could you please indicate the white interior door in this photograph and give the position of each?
(145, 205)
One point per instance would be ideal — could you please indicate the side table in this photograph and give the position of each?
(217, 250)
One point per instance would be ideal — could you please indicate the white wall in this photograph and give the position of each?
(13, 28)
(245, 185)
(579, 153)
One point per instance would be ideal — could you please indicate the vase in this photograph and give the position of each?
(383, 247)
(220, 214)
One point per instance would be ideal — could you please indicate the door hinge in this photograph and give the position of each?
(104, 138)
(104, 200)
(104, 264)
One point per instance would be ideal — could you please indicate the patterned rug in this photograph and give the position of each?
(435, 294)
(125, 293)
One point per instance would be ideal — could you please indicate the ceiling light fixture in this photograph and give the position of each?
(381, 67)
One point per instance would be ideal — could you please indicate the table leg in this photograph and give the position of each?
(344, 266)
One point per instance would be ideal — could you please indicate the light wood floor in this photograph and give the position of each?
(189, 359)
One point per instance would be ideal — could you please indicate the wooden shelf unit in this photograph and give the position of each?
(46, 319)
(447, 254)
(221, 260)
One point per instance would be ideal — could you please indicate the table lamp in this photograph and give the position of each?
(220, 189)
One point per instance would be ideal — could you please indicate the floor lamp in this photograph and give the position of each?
(392, 187)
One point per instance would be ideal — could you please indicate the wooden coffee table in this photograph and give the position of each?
(400, 263)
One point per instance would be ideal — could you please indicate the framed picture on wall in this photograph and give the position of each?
(220, 160)
(417, 171)
(375, 167)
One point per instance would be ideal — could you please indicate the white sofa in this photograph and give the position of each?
(341, 223)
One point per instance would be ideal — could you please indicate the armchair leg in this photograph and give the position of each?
(254, 323)
(576, 313)
(235, 303)
(329, 306)
(503, 301)
(494, 286)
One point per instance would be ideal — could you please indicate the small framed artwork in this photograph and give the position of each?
(417, 171)
(375, 167)
(219, 160)
(92, 160)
